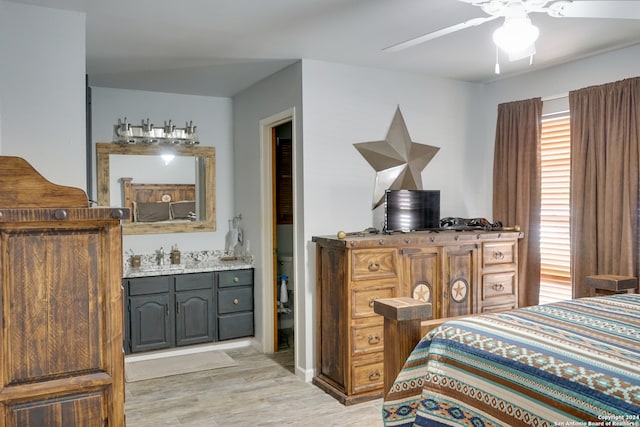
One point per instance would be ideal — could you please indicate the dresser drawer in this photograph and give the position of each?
(498, 253)
(498, 285)
(362, 299)
(499, 307)
(235, 278)
(232, 300)
(367, 339)
(368, 264)
(367, 376)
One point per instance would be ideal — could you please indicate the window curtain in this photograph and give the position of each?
(516, 187)
(605, 128)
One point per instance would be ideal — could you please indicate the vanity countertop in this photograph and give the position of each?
(191, 267)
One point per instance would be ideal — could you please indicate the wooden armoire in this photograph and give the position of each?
(61, 360)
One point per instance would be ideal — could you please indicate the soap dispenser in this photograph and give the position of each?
(174, 255)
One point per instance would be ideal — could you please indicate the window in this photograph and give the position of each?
(555, 243)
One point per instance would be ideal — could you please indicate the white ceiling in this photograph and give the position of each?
(220, 47)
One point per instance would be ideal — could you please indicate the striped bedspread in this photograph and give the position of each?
(574, 363)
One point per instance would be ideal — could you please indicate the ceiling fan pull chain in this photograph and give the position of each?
(497, 69)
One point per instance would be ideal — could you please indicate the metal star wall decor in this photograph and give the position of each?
(398, 161)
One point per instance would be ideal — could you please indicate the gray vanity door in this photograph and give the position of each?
(194, 317)
(194, 308)
(151, 322)
(150, 314)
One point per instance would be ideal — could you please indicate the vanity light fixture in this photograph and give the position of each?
(167, 158)
(146, 133)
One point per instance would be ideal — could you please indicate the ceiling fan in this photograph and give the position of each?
(517, 35)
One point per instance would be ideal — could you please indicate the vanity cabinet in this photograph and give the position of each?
(184, 309)
(234, 292)
(459, 273)
(169, 311)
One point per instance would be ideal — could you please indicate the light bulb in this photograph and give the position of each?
(167, 158)
(516, 35)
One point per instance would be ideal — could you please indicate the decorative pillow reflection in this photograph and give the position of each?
(183, 210)
(151, 212)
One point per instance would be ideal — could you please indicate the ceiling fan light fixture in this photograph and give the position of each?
(516, 35)
(527, 52)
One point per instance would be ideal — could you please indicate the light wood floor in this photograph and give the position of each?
(260, 391)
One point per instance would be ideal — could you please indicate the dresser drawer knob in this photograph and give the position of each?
(60, 214)
(117, 214)
(371, 300)
(498, 287)
(374, 375)
(236, 279)
(373, 266)
(236, 301)
(498, 255)
(374, 339)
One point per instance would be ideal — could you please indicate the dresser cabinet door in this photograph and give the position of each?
(459, 280)
(51, 307)
(421, 275)
(60, 321)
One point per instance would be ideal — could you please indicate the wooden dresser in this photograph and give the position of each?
(459, 273)
(61, 301)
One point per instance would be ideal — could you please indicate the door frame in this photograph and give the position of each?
(267, 227)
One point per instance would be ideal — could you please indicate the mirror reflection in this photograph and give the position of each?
(165, 194)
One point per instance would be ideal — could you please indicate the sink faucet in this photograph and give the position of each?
(160, 256)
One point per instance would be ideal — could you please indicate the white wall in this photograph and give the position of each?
(344, 105)
(211, 115)
(270, 97)
(42, 90)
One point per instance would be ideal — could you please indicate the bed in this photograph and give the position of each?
(572, 363)
(159, 202)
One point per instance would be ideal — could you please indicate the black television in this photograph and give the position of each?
(411, 210)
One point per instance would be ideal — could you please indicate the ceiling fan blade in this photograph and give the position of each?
(434, 35)
(596, 9)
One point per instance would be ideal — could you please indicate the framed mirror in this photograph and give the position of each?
(142, 178)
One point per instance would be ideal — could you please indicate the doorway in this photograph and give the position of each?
(283, 226)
